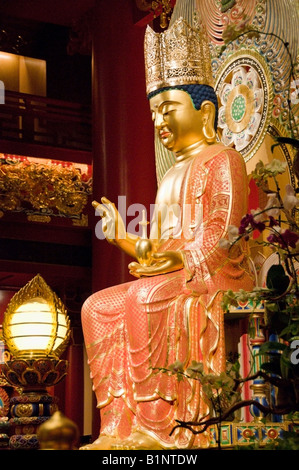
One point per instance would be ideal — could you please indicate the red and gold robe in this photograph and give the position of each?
(134, 329)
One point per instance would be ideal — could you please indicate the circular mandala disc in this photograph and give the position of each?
(245, 95)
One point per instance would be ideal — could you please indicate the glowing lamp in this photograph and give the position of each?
(35, 323)
(36, 330)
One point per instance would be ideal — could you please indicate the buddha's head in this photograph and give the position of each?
(179, 83)
(184, 115)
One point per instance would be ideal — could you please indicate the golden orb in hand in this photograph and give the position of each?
(144, 250)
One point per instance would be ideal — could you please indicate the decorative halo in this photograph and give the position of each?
(245, 94)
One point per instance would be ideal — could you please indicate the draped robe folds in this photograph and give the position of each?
(134, 329)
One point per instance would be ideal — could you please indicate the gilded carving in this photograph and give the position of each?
(23, 409)
(179, 56)
(42, 189)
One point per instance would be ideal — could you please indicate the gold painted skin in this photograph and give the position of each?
(185, 131)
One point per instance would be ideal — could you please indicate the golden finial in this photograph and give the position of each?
(58, 433)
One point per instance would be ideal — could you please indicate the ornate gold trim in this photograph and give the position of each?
(178, 56)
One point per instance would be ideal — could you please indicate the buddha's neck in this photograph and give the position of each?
(191, 150)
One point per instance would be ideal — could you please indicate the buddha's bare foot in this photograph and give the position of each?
(138, 441)
(102, 443)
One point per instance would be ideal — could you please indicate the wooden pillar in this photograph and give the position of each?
(123, 144)
(123, 135)
(74, 386)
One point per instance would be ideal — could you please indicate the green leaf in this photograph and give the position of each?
(271, 368)
(271, 346)
(277, 279)
(272, 307)
(290, 330)
(276, 317)
(285, 365)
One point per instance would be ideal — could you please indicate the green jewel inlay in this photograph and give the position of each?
(238, 108)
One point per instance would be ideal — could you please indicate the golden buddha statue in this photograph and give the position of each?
(172, 311)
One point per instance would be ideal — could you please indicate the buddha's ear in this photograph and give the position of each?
(208, 112)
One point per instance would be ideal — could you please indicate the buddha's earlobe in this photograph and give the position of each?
(208, 118)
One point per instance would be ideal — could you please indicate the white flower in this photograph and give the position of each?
(272, 205)
(276, 167)
(276, 229)
(224, 244)
(195, 369)
(257, 215)
(233, 234)
(290, 200)
(242, 295)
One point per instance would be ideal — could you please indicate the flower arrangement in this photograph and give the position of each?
(277, 225)
(278, 230)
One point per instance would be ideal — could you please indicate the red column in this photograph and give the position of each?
(74, 385)
(70, 391)
(123, 145)
(123, 131)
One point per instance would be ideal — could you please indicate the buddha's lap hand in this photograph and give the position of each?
(162, 263)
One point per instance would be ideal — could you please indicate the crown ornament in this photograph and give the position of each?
(178, 56)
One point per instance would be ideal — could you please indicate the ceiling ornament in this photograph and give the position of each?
(80, 35)
(158, 8)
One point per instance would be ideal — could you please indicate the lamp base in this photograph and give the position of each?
(28, 412)
(34, 405)
(4, 430)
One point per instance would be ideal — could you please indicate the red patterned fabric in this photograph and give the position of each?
(132, 330)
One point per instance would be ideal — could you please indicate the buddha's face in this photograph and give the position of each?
(177, 123)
